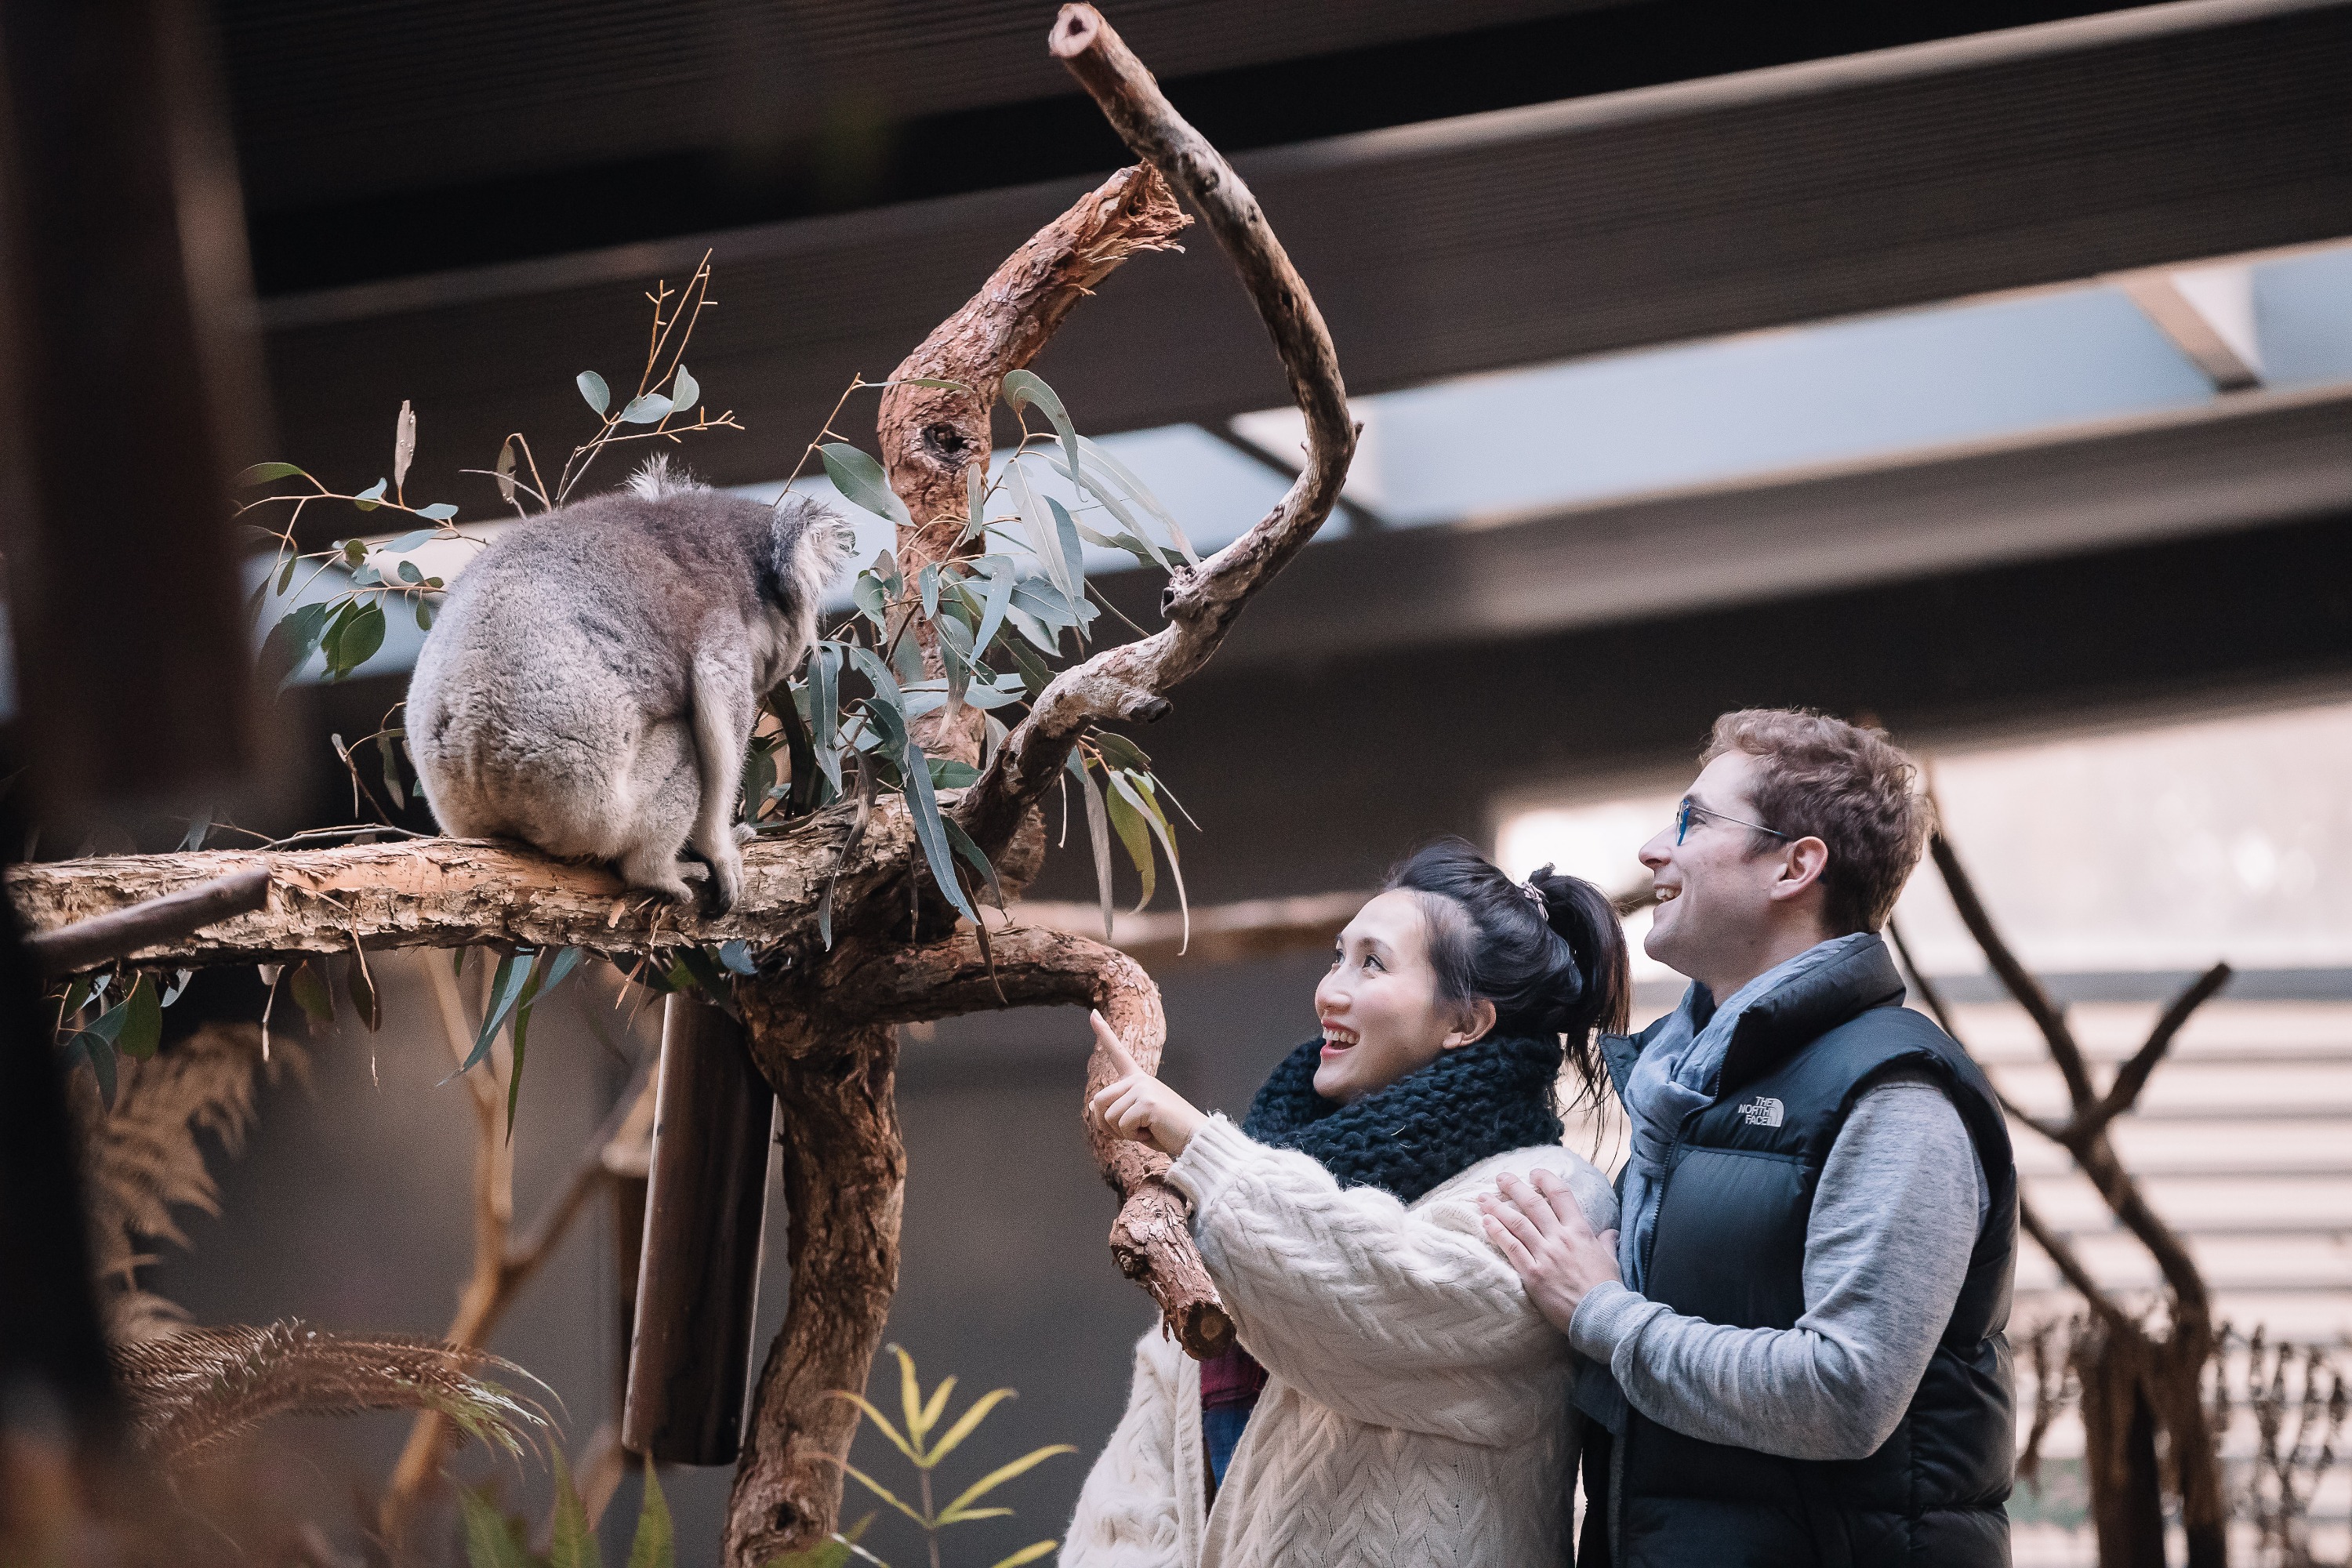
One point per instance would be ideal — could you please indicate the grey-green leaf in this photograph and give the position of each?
(685, 392)
(647, 409)
(1098, 835)
(592, 387)
(861, 481)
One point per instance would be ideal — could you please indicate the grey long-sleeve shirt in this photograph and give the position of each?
(1895, 1217)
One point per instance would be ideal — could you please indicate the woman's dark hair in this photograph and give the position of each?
(1559, 969)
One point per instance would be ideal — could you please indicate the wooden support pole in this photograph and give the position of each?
(698, 1272)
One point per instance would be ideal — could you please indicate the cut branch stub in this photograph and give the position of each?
(1131, 681)
(931, 433)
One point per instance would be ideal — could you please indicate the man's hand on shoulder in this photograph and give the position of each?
(1543, 1233)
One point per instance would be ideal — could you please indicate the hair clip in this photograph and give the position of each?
(1535, 896)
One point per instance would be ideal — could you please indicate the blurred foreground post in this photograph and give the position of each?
(130, 392)
(698, 1272)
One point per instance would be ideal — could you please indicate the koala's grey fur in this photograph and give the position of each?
(591, 683)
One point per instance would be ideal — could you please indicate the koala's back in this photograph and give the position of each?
(563, 644)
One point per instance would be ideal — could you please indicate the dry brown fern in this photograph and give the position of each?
(193, 1391)
(146, 1156)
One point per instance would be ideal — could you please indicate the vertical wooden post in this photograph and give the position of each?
(133, 389)
(699, 1275)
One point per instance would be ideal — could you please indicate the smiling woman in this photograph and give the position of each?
(1341, 1222)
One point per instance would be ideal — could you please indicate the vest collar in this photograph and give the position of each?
(1794, 1017)
(1780, 1024)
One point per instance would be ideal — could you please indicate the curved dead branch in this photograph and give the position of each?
(1131, 681)
(1153, 1237)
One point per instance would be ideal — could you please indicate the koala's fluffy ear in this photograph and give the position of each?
(657, 478)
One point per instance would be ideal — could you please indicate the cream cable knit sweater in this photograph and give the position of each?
(1416, 1406)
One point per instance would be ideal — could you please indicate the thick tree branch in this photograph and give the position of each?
(1027, 966)
(1131, 681)
(2061, 1252)
(447, 893)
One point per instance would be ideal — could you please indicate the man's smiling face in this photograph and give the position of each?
(1714, 890)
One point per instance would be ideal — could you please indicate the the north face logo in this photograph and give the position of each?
(1762, 1112)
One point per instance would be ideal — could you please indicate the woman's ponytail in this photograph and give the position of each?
(1586, 919)
(1548, 953)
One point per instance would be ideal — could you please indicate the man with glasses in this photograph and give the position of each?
(1794, 1348)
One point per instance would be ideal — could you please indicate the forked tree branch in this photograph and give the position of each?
(1131, 681)
(2133, 1075)
(2046, 1014)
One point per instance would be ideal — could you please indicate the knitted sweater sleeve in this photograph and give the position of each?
(1402, 1317)
(1130, 1512)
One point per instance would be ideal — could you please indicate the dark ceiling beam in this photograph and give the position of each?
(2237, 462)
(1875, 182)
(1316, 772)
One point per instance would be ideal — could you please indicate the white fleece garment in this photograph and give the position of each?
(1416, 1410)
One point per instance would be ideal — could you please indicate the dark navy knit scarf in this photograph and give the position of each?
(1473, 1102)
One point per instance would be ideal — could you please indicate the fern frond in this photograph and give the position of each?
(191, 1390)
(146, 1157)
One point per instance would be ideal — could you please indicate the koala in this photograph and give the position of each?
(590, 682)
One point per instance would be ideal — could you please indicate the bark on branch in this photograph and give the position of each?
(466, 892)
(1131, 681)
(1153, 1236)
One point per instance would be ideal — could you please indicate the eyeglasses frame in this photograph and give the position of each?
(1690, 808)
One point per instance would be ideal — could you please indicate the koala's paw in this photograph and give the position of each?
(726, 869)
(664, 878)
(745, 833)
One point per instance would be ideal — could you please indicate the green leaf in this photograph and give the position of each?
(1127, 821)
(357, 633)
(1144, 792)
(1101, 461)
(882, 1425)
(388, 748)
(929, 381)
(975, 496)
(924, 808)
(949, 773)
(861, 481)
(142, 1021)
(999, 1476)
(825, 710)
(409, 573)
(907, 658)
(371, 498)
(424, 615)
(99, 1051)
(505, 470)
(647, 408)
(1029, 1553)
(571, 1543)
(491, 1540)
(1119, 752)
(308, 986)
(1097, 834)
(440, 511)
(1039, 526)
(685, 392)
(879, 1490)
(1022, 388)
(1074, 555)
(592, 387)
(933, 1409)
(263, 473)
(969, 1420)
(546, 974)
(991, 616)
(656, 1543)
(505, 989)
(910, 1398)
(408, 541)
(872, 599)
(927, 588)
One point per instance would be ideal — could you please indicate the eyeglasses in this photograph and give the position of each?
(1692, 808)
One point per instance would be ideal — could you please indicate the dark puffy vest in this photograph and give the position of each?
(1729, 1247)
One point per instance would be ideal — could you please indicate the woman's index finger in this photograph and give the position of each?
(1108, 1038)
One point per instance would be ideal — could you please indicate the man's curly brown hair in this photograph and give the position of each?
(1850, 787)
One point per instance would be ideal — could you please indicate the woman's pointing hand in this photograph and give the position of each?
(1138, 1106)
